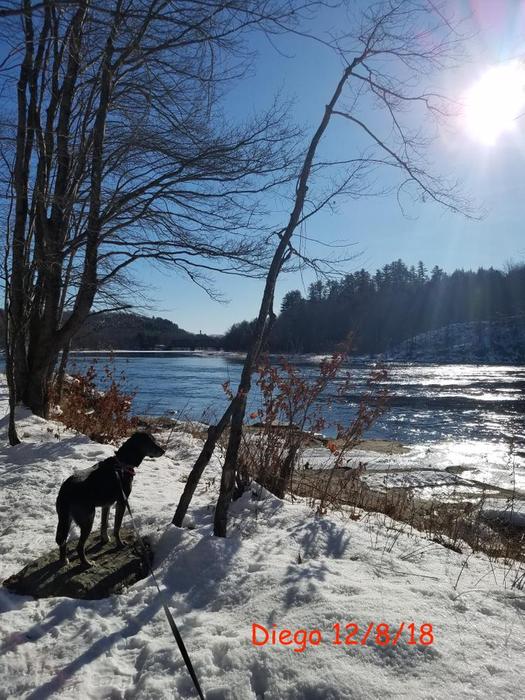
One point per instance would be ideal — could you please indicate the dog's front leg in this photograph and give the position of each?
(119, 514)
(104, 537)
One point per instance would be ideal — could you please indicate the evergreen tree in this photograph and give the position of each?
(395, 304)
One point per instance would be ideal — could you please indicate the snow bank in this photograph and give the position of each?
(280, 566)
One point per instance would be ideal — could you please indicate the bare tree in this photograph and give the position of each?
(388, 61)
(121, 153)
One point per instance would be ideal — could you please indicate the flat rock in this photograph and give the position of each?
(115, 569)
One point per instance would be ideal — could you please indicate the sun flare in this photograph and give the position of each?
(494, 103)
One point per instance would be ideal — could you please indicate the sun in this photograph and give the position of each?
(493, 104)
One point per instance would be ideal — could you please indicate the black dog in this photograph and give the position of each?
(101, 485)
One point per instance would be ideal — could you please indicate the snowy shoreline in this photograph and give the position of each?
(442, 471)
(280, 566)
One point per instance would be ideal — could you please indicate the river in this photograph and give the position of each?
(454, 415)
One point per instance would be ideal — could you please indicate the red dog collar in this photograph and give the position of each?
(125, 468)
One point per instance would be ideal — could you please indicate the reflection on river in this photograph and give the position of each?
(477, 408)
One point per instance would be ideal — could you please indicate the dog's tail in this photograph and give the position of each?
(64, 518)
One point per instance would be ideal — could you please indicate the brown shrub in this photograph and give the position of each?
(98, 408)
(291, 415)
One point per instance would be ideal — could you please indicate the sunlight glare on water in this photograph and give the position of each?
(470, 415)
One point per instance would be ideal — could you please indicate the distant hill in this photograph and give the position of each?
(130, 331)
(493, 342)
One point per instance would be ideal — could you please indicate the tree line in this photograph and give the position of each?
(381, 310)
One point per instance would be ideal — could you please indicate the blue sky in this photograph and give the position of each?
(375, 229)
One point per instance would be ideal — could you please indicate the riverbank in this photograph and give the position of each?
(442, 502)
(432, 469)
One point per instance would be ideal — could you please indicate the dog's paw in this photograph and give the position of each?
(88, 564)
(104, 538)
(63, 561)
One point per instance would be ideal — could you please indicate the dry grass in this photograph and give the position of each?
(451, 524)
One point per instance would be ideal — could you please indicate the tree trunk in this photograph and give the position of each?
(230, 463)
(61, 374)
(18, 353)
(262, 329)
(9, 371)
(16, 281)
(36, 396)
(214, 433)
(279, 258)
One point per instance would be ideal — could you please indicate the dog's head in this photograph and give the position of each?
(138, 446)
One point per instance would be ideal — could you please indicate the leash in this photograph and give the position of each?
(167, 611)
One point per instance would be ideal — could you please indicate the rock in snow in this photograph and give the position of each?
(281, 568)
(115, 569)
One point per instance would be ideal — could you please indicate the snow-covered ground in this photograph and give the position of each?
(494, 342)
(279, 566)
